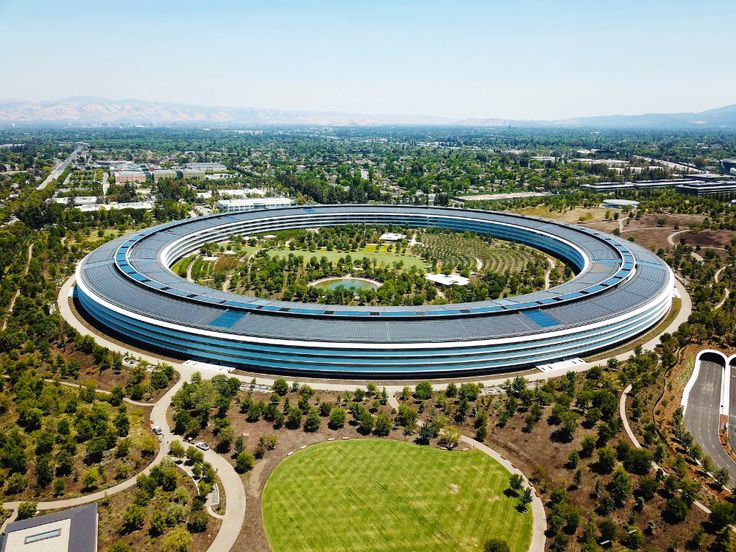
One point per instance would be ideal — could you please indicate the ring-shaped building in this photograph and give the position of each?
(620, 290)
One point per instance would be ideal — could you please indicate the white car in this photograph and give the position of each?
(201, 445)
(157, 430)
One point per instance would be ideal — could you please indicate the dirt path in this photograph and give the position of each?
(189, 272)
(550, 268)
(17, 291)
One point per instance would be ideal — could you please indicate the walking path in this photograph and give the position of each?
(635, 441)
(550, 268)
(539, 516)
(726, 291)
(671, 237)
(17, 291)
(234, 516)
(231, 481)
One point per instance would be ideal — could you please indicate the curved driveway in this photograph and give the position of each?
(703, 414)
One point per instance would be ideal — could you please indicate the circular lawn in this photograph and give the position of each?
(383, 495)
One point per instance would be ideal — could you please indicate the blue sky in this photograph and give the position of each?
(521, 59)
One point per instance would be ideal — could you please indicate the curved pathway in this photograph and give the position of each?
(671, 237)
(635, 441)
(234, 516)
(17, 291)
(231, 481)
(726, 291)
(539, 516)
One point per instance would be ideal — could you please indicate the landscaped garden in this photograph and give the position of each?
(287, 265)
(385, 495)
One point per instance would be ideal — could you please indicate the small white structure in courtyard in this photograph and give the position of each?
(448, 279)
(392, 236)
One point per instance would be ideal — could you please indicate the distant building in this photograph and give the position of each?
(135, 205)
(448, 279)
(73, 530)
(158, 174)
(392, 236)
(192, 173)
(206, 167)
(638, 185)
(722, 189)
(620, 204)
(127, 177)
(728, 165)
(248, 204)
(241, 192)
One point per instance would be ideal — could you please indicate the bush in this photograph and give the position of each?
(244, 461)
(158, 523)
(197, 522)
(337, 418)
(26, 510)
(178, 540)
(496, 545)
(280, 386)
(313, 421)
(119, 546)
(423, 391)
(17, 483)
(133, 518)
(382, 425)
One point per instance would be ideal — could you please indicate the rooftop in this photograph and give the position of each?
(73, 530)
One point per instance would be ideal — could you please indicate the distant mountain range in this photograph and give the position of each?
(85, 111)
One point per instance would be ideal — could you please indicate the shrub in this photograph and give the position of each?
(423, 391)
(244, 461)
(337, 418)
(496, 545)
(178, 540)
(133, 518)
(197, 521)
(26, 510)
(382, 425)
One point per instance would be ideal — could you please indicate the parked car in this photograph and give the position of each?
(157, 430)
(201, 445)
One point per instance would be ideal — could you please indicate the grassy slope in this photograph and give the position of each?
(373, 495)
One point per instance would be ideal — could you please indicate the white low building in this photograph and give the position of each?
(620, 204)
(448, 279)
(248, 204)
(392, 236)
(241, 192)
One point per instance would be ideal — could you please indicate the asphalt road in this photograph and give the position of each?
(703, 413)
(732, 407)
(60, 168)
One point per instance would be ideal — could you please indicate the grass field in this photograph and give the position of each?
(382, 495)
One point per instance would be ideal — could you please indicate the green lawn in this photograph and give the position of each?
(383, 495)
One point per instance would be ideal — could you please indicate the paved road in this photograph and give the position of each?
(732, 405)
(702, 415)
(60, 167)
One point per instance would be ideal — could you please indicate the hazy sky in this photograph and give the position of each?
(516, 59)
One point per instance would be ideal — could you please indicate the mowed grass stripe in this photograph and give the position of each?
(386, 496)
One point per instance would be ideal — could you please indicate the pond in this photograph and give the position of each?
(347, 282)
